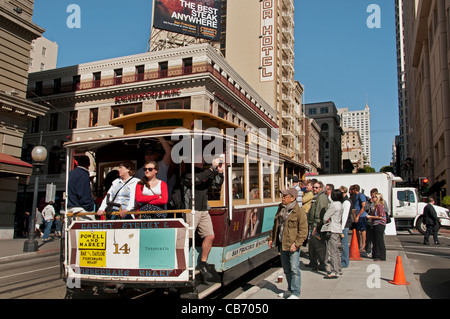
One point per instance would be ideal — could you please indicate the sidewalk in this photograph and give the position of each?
(353, 284)
(11, 251)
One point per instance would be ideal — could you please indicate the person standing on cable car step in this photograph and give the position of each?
(205, 179)
(151, 193)
(289, 231)
(121, 195)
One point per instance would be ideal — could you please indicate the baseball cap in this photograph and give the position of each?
(291, 191)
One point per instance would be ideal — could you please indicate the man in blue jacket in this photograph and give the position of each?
(79, 189)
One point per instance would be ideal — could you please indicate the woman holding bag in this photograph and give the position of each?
(151, 193)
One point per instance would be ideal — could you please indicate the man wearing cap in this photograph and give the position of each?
(289, 231)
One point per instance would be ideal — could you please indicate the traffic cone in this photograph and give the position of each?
(354, 248)
(399, 275)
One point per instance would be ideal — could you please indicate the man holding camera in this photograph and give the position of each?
(204, 179)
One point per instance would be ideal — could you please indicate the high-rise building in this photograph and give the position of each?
(427, 39)
(257, 40)
(16, 33)
(359, 120)
(403, 138)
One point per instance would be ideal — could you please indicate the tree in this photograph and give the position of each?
(387, 169)
(366, 169)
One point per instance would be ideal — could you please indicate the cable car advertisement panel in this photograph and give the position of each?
(148, 250)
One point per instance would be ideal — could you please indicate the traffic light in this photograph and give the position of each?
(424, 187)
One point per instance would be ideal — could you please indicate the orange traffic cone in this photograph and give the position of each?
(399, 275)
(354, 248)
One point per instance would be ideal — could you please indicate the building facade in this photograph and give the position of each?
(257, 40)
(352, 148)
(401, 143)
(427, 38)
(359, 120)
(327, 118)
(16, 33)
(43, 56)
(195, 77)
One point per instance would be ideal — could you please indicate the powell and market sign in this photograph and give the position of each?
(146, 96)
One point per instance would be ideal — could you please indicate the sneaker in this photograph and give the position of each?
(293, 297)
(285, 294)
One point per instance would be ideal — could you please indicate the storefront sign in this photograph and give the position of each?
(146, 96)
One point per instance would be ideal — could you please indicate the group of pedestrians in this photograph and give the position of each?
(321, 217)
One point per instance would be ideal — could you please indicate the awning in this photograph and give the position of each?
(14, 166)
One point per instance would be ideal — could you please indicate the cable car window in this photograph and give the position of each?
(238, 177)
(267, 182)
(254, 180)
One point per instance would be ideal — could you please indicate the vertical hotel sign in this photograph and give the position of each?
(267, 41)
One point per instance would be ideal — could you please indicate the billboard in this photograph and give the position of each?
(197, 18)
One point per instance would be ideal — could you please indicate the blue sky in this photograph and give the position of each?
(338, 57)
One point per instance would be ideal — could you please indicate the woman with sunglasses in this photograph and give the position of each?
(151, 193)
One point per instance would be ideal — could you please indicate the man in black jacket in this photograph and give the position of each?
(204, 179)
(431, 220)
(79, 189)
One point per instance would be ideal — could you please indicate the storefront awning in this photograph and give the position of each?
(13, 166)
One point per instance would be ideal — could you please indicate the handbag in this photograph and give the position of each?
(111, 204)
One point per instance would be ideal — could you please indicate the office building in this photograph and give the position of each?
(359, 120)
(403, 139)
(427, 38)
(327, 118)
(16, 33)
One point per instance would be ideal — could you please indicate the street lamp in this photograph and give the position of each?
(38, 154)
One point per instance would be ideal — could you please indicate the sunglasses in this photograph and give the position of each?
(149, 169)
(315, 187)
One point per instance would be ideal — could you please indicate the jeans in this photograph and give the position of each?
(48, 227)
(345, 259)
(290, 261)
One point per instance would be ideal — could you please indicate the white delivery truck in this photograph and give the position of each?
(406, 208)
